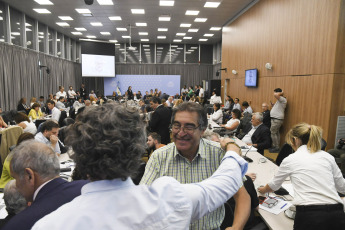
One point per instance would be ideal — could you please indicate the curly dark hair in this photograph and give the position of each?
(108, 142)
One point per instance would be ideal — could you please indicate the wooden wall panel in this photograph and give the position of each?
(305, 42)
(305, 94)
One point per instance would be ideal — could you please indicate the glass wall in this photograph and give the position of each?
(162, 54)
(58, 42)
(50, 40)
(133, 55)
(29, 30)
(148, 53)
(2, 23)
(177, 54)
(41, 36)
(16, 21)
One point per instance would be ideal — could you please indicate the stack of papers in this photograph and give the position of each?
(276, 209)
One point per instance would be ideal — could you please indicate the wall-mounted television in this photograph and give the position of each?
(97, 65)
(251, 78)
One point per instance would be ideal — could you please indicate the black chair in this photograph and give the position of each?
(284, 152)
(62, 117)
(72, 113)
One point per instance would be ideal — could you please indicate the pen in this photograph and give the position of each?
(283, 205)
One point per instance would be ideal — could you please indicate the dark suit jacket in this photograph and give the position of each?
(53, 195)
(262, 137)
(160, 122)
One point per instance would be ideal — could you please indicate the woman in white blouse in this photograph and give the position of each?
(23, 121)
(234, 122)
(315, 177)
(217, 116)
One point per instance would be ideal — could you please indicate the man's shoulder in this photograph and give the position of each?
(165, 150)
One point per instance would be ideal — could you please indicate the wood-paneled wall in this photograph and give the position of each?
(304, 40)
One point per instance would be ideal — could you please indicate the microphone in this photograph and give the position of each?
(249, 160)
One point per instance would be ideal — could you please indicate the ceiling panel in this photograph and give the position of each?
(216, 17)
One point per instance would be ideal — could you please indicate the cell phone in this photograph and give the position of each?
(261, 199)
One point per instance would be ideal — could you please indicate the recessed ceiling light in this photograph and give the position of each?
(117, 44)
(174, 46)
(192, 12)
(80, 29)
(1, 18)
(193, 30)
(143, 33)
(216, 28)
(83, 11)
(144, 40)
(166, 3)
(115, 18)
(44, 2)
(212, 4)
(63, 24)
(203, 40)
(105, 33)
(180, 34)
(208, 35)
(113, 41)
(161, 37)
(15, 33)
(138, 11)
(42, 11)
(194, 47)
(163, 29)
(76, 33)
(185, 25)
(200, 20)
(188, 52)
(41, 33)
(141, 24)
(66, 18)
(187, 38)
(164, 18)
(160, 48)
(96, 24)
(28, 29)
(147, 50)
(121, 29)
(146, 45)
(105, 2)
(126, 36)
(91, 36)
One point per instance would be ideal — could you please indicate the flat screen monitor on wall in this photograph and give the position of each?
(251, 79)
(97, 65)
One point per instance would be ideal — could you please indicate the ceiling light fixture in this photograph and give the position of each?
(121, 29)
(115, 18)
(105, 33)
(141, 24)
(164, 18)
(212, 4)
(83, 11)
(80, 29)
(42, 11)
(77, 33)
(63, 24)
(144, 40)
(96, 24)
(193, 30)
(143, 33)
(216, 28)
(185, 25)
(44, 2)
(163, 29)
(192, 12)
(138, 11)
(203, 40)
(66, 18)
(105, 2)
(166, 3)
(161, 37)
(200, 20)
(187, 38)
(180, 34)
(208, 35)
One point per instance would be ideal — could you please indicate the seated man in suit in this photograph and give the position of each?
(39, 182)
(259, 136)
(14, 201)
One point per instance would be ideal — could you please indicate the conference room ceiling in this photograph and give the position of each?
(216, 17)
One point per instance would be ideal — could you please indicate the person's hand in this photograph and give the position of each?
(261, 189)
(229, 144)
(53, 139)
(252, 176)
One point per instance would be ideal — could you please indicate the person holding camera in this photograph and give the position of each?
(339, 152)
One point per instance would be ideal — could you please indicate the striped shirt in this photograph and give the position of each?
(167, 161)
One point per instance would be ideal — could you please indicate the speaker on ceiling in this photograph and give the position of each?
(88, 2)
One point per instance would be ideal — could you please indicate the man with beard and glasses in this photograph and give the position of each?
(190, 159)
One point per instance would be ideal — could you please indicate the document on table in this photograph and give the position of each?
(278, 208)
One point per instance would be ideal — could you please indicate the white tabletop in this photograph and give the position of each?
(264, 173)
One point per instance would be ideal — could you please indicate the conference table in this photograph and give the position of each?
(265, 170)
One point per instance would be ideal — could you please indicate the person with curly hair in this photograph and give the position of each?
(108, 142)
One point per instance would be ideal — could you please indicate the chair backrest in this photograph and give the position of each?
(9, 137)
(72, 113)
(284, 152)
(62, 117)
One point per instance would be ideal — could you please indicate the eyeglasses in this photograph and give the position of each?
(176, 127)
(270, 202)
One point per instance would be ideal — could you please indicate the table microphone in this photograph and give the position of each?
(249, 160)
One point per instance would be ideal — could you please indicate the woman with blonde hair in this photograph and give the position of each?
(316, 179)
(179, 101)
(32, 101)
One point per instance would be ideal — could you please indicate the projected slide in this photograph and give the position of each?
(169, 84)
(98, 66)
